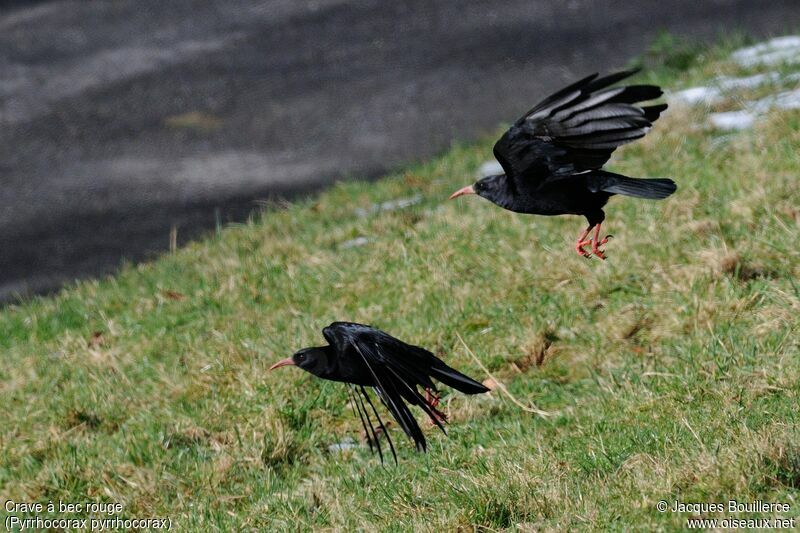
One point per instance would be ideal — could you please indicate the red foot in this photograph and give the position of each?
(432, 399)
(579, 248)
(596, 242)
(595, 247)
(582, 241)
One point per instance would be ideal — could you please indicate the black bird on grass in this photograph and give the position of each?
(553, 155)
(363, 356)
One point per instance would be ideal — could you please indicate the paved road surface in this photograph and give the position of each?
(121, 119)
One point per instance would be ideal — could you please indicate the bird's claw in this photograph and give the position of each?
(579, 248)
(596, 248)
(600, 254)
(440, 416)
(432, 400)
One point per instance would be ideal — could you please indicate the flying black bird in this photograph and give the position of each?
(553, 155)
(363, 356)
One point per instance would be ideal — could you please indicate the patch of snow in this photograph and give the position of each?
(732, 120)
(352, 243)
(739, 120)
(774, 51)
(748, 82)
(697, 95)
(391, 205)
(788, 100)
(714, 92)
(782, 100)
(489, 168)
(347, 444)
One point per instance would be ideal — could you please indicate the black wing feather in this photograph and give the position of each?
(357, 409)
(398, 369)
(387, 392)
(412, 395)
(559, 95)
(576, 129)
(380, 424)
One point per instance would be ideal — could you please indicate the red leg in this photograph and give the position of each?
(432, 399)
(596, 242)
(583, 242)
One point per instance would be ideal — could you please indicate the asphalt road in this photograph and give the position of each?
(120, 120)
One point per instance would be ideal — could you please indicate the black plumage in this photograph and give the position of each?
(363, 356)
(553, 155)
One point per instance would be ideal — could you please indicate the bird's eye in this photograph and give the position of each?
(301, 357)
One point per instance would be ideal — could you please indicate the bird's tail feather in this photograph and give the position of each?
(457, 380)
(650, 188)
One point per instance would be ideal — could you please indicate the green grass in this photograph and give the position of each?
(670, 371)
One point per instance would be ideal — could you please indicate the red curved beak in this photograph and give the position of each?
(282, 362)
(461, 192)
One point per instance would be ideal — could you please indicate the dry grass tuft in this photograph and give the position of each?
(735, 265)
(537, 351)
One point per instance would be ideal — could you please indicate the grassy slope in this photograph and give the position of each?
(671, 370)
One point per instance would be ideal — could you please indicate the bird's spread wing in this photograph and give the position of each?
(395, 381)
(398, 369)
(576, 129)
(358, 394)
